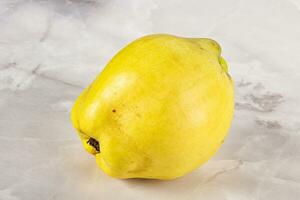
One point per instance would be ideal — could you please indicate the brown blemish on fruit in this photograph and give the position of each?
(94, 143)
(114, 110)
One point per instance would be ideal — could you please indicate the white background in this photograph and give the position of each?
(51, 50)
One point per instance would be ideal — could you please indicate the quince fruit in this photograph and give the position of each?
(161, 108)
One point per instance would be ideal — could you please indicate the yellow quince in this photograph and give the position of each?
(160, 108)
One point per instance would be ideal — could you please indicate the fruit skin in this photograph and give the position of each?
(160, 108)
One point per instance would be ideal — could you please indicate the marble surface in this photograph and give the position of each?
(51, 49)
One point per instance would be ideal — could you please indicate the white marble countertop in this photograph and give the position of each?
(51, 49)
